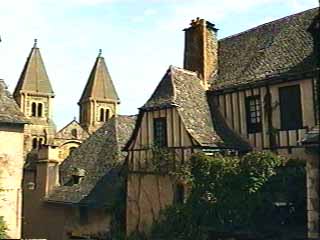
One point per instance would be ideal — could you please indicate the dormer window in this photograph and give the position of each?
(77, 175)
(160, 132)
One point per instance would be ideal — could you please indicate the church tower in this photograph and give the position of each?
(99, 100)
(34, 96)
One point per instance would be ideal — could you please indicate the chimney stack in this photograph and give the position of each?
(47, 169)
(201, 49)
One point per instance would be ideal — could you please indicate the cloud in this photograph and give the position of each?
(150, 12)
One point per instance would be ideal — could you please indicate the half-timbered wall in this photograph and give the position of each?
(178, 139)
(232, 106)
(147, 191)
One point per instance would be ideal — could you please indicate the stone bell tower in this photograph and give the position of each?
(99, 100)
(34, 96)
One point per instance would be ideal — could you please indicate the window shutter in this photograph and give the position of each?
(290, 107)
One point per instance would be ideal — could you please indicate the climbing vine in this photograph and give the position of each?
(257, 195)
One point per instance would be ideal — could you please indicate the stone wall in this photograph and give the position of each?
(11, 164)
(312, 168)
(56, 220)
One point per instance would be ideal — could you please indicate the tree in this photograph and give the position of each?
(232, 195)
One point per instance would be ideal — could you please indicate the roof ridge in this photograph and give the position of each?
(172, 69)
(267, 23)
(183, 70)
(68, 124)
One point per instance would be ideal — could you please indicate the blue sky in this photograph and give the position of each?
(139, 40)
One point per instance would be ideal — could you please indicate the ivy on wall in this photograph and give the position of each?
(259, 195)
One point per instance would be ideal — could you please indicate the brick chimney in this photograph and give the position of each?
(201, 49)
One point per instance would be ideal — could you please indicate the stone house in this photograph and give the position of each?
(255, 90)
(12, 123)
(79, 203)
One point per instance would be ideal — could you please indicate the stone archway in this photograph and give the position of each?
(66, 148)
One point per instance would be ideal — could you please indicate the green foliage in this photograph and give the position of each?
(162, 159)
(3, 229)
(239, 196)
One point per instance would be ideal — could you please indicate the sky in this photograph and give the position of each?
(139, 40)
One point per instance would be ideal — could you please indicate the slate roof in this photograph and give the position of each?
(230, 138)
(101, 158)
(182, 89)
(9, 109)
(99, 84)
(280, 47)
(34, 77)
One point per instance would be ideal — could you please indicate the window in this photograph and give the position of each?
(179, 194)
(39, 109)
(101, 115)
(104, 115)
(253, 112)
(34, 143)
(107, 114)
(33, 109)
(40, 142)
(74, 133)
(71, 149)
(160, 132)
(290, 107)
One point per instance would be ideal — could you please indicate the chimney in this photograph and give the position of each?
(47, 169)
(201, 49)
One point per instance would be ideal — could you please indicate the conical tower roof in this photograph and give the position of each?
(99, 85)
(34, 77)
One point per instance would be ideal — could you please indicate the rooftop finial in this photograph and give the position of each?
(100, 52)
(35, 43)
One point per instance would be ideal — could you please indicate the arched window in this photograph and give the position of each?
(71, 150)
(107, 114)
(40, 142)
(39, 109)
(74, 133)
(33, 109)
(34, 143)
(101, 114)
